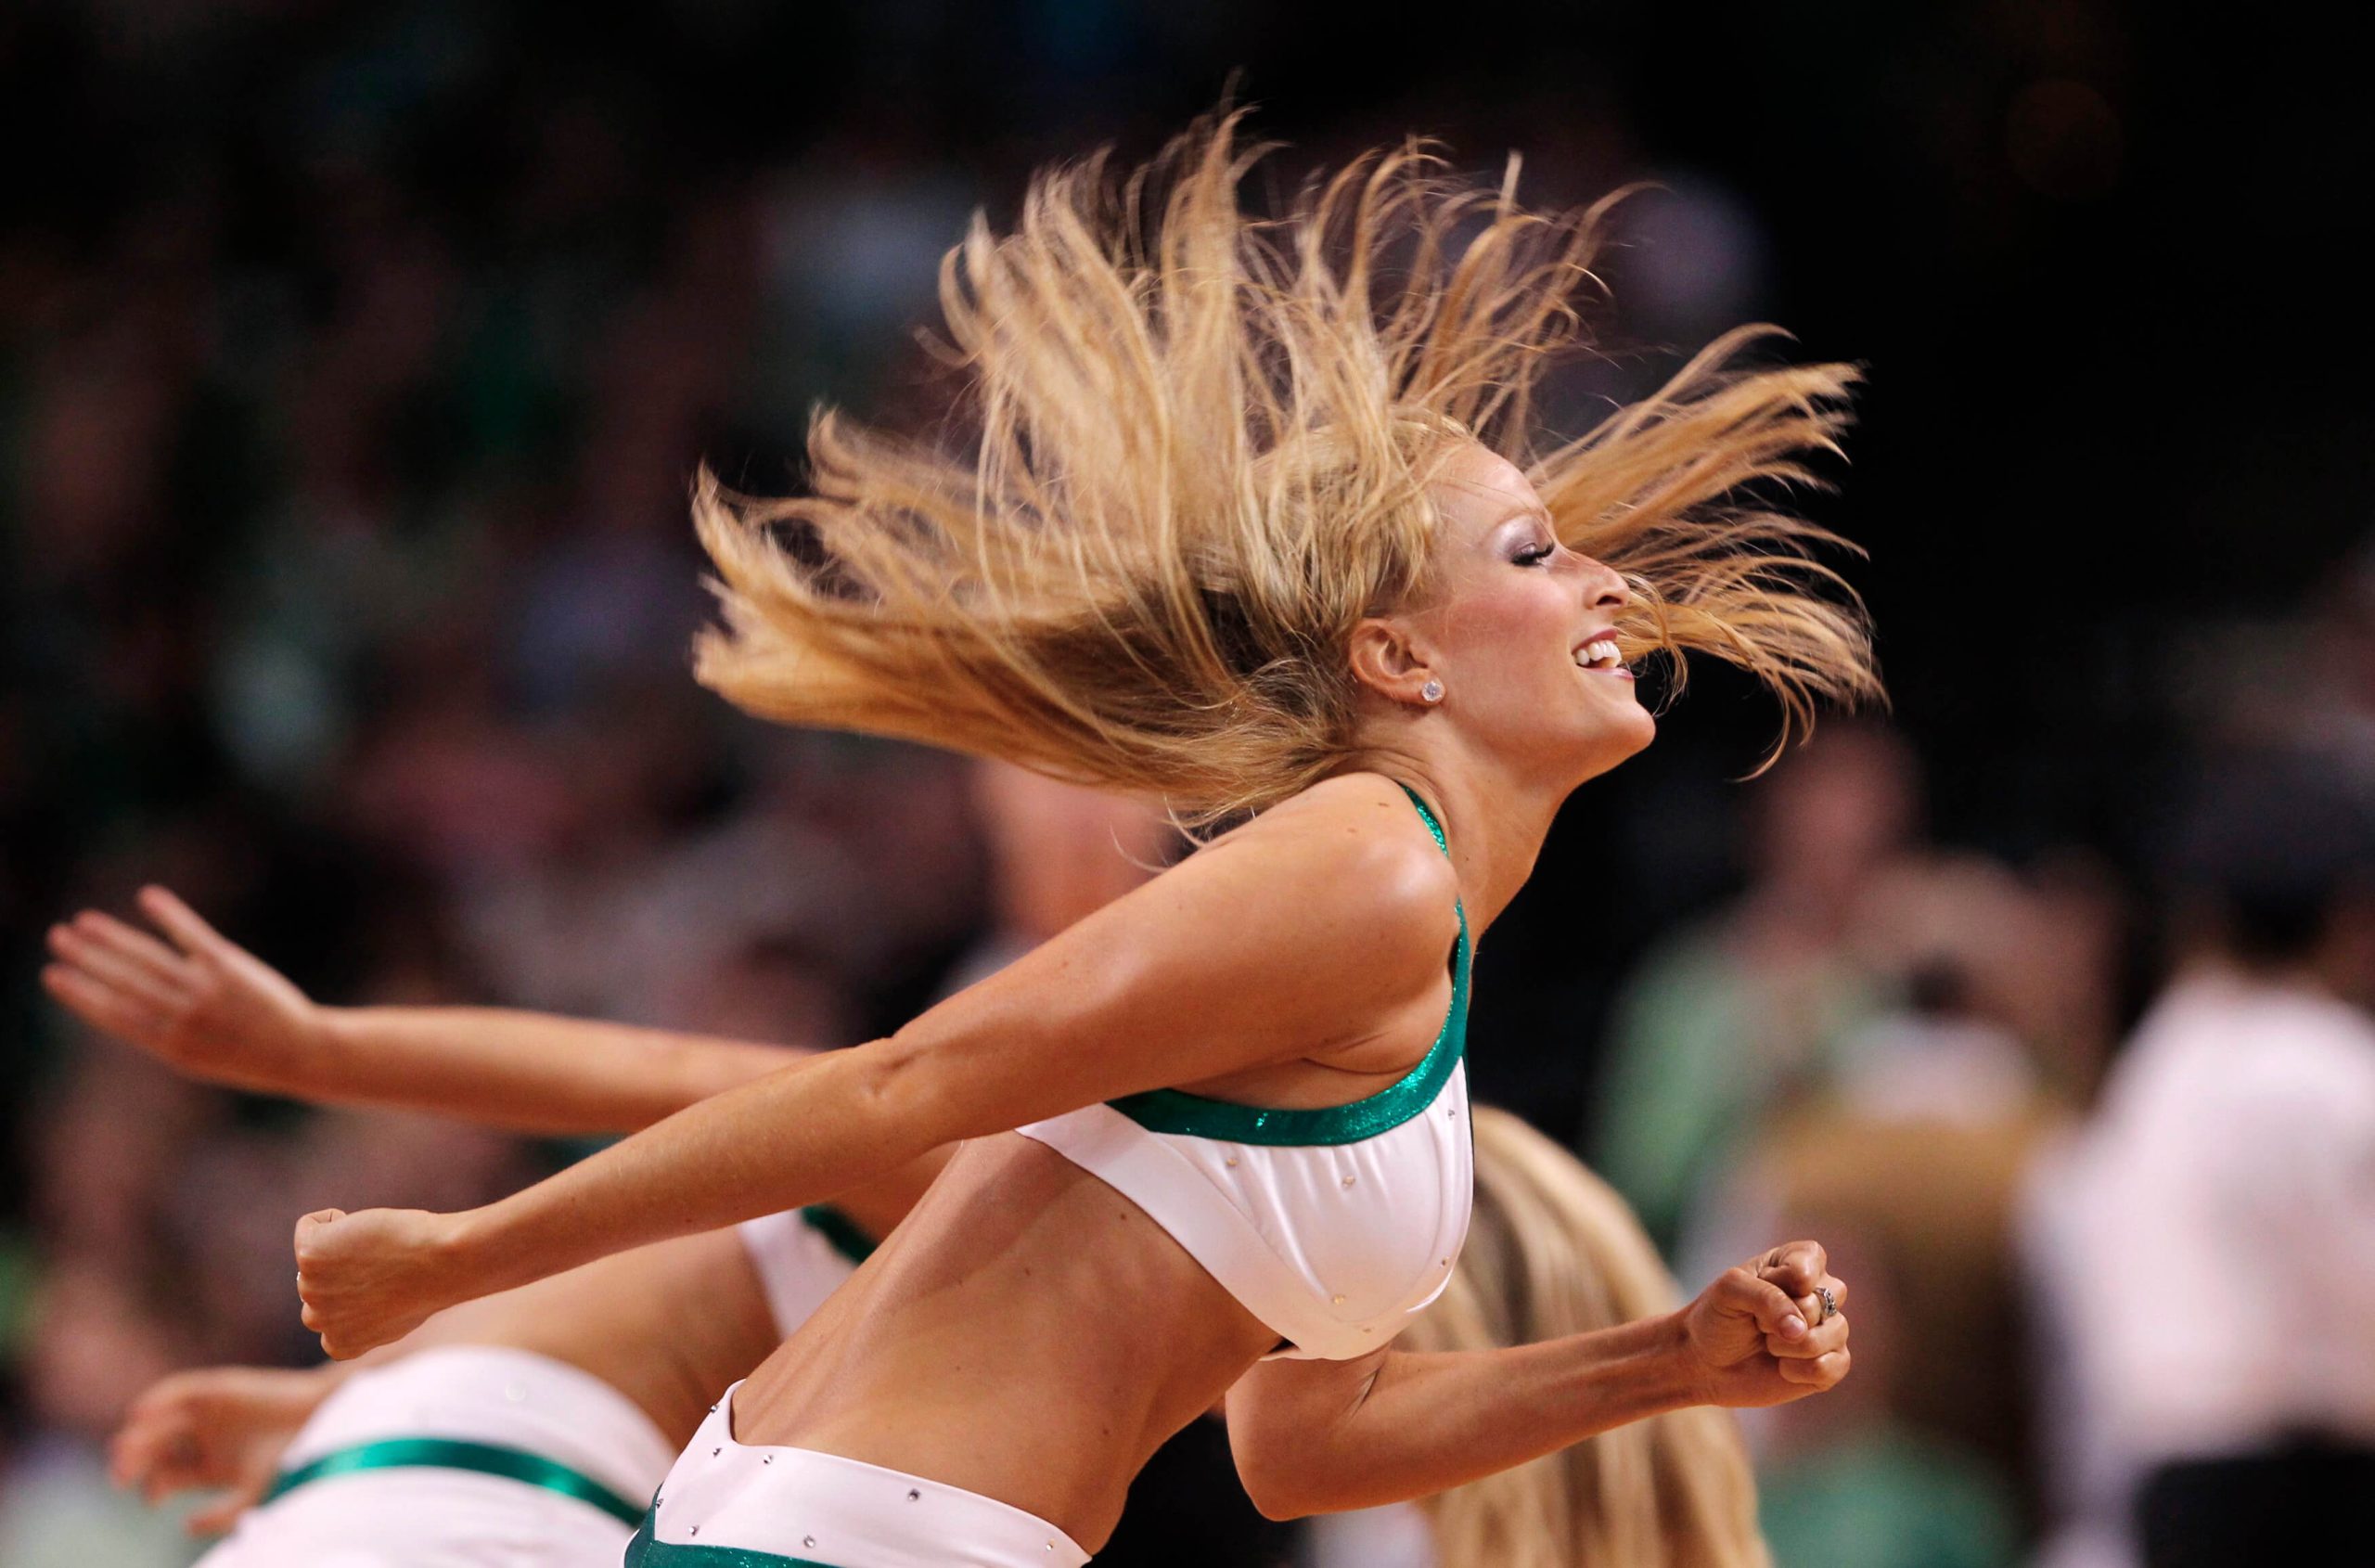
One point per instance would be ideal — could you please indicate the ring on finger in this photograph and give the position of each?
(1829, 1305)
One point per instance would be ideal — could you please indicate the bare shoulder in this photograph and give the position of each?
(1311, 929)
(1353, 848)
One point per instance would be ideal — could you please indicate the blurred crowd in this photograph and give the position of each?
(345, 587)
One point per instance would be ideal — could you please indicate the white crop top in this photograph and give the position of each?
(1331, 1226)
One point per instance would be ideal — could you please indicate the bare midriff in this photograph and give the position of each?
(668, 1326)
(1028, 1334)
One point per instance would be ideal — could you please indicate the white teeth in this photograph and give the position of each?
(1600, 653)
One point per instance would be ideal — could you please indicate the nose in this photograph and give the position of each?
(1603, 586)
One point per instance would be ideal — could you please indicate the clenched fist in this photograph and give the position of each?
(369, 1279)
(1757, 1335)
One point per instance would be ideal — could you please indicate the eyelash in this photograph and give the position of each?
(1533, 556)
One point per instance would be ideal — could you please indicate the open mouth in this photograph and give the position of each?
(1602, 656)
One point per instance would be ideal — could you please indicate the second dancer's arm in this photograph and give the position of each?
(208, 1007)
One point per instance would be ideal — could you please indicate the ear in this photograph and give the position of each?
(1390, 659)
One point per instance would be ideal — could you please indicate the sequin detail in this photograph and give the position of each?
(1221, 1121)
(643, 1551)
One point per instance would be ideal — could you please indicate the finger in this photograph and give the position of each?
(217, 1517)
(132, 944)
(1820, 1341)
(102, 1006)
(1796, 1267)
(180, 921)
(161, 1462)
(104, 964)
(132, 1450)
(1816, 1308)
(1775, 1312)
(168, 1476)
(309, 1230)
(1823, 1371)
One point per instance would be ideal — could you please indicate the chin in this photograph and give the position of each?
(1619, 740)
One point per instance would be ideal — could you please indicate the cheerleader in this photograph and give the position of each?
(1252, 518)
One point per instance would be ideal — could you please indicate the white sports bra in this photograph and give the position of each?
(1331, 1226)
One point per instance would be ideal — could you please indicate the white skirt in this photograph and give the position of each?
(496, 1415)
(800, 1508)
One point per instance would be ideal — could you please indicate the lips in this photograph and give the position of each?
(1599, 655)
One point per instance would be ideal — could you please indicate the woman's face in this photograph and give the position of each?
(1520, 630)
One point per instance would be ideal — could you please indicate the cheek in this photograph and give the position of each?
(1520, 631)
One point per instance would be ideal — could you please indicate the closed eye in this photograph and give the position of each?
(1532, 555)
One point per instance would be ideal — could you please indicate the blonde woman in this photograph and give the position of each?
(1247, 518)
(1553, 1251)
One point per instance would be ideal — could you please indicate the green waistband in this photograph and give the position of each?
(445, 1453)
(645, 1552)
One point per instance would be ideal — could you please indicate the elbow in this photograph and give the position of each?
(1277, 1499)
(896, 1091)
(1287, 1486)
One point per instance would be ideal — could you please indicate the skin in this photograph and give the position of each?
(1029, 1334)
(208, 1007)
(669, 1326)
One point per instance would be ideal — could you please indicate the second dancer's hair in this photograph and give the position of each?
(1553, 1250)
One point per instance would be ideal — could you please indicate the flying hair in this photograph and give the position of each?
(1192, 453)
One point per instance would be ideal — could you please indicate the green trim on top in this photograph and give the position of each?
(1191, 1115)
(645, 1552)
(1425, 815)
(836, 1227)
(445, 1453)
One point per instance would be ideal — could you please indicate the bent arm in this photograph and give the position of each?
(206, 1007)
(1320, 1437)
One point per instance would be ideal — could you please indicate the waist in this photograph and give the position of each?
(1021, 1334)
(775, 1505)
(485, 1397)
(476, 1458)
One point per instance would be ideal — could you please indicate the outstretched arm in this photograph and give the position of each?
(1323, 1436)
(207, 1007)
(1264, 949)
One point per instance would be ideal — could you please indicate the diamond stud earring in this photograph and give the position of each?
(1432, 691)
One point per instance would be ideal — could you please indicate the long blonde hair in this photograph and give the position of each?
(1554, 1251)
(1192, 455)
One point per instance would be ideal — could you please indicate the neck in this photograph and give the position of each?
(1494, 821)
